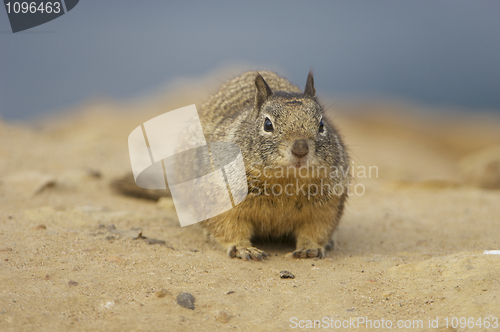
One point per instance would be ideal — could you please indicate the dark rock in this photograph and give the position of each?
(286, 274)
(186, 300)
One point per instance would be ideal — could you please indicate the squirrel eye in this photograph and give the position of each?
(268, 125)
(321, 127)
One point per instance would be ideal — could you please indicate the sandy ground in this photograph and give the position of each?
(409, 249)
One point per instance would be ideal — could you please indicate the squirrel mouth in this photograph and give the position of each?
(299, 164)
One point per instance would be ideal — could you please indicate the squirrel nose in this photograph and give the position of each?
(300, 148)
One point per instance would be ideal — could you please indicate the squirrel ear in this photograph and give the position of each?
(263, 91)
(310, 91)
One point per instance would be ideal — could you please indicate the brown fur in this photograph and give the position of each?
(237, 113)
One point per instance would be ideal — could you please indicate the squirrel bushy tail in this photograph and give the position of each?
(127, 186)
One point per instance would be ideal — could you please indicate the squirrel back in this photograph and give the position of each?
(237, 94)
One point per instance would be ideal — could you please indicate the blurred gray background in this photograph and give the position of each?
(438, 53)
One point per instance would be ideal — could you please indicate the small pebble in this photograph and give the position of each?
(286, 274)
(162, 293)
(223, 317)
(186, 300)
(229, 292)
(41, 227)
(72, 283)
(155, 241)
(94, 173)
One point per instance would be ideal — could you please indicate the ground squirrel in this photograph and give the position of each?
(295, 161)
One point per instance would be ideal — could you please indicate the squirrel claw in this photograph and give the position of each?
(247, 254)
(309, 253)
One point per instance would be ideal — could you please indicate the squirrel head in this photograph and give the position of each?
(289, 128)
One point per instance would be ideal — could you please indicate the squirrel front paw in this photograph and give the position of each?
(309, 253)
(246, 253)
